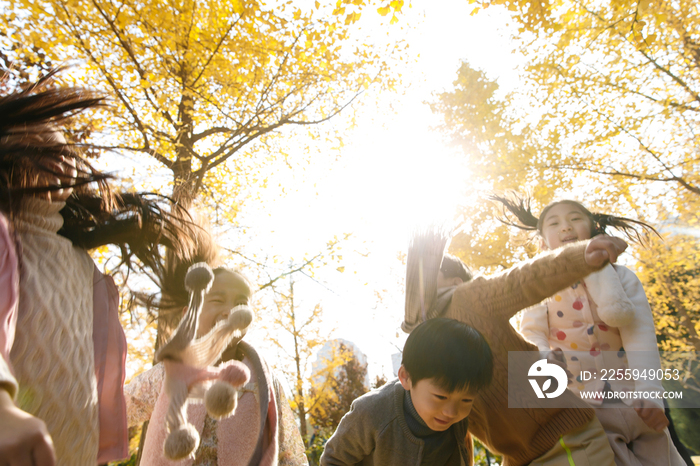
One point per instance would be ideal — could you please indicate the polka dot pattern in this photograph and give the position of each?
(577, 324)
(578, 305)
(560, 314)
(557, 298)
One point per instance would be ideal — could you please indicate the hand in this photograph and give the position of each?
(24, 439)
(652, 415)
(602, 249)
(556, 356)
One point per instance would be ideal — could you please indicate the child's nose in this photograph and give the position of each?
(450, 410)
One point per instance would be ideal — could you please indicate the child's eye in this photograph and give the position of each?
(440, 397)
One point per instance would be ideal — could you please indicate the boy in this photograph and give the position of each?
(421, 418)
(536, 436)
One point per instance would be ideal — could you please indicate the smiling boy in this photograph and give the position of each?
(421, 418)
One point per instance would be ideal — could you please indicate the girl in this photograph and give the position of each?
(577, 327)
(261, 432)
(62, 348)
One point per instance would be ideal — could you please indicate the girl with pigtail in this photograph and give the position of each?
(62, 348)
(601, 325)
(211, 399)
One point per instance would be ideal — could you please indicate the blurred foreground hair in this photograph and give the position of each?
(95, 215)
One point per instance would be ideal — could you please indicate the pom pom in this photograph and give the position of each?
(181, 443)
(221, 400)
(235, 373)
(199, 277)
(241, 317)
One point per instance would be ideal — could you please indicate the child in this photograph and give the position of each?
(262, 431)
(578, 322)
(422, 417)
(538, 436)
(62, 347)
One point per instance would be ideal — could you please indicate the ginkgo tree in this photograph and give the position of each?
(611, 90)
(195, 83)
(201, 90)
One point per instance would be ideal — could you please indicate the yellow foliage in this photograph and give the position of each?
(196, 82)
(620, 85)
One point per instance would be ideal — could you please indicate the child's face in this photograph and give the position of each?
(228, 290)
(438, 408)
(565, 223)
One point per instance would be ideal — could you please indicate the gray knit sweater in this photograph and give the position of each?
(375, 433)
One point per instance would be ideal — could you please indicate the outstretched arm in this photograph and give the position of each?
(530, 282)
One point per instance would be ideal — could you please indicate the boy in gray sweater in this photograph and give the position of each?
(421, 418)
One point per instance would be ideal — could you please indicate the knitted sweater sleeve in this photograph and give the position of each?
(142, 393)
(9, 293)
(525, 284)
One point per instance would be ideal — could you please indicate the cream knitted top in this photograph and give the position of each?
(53, 354)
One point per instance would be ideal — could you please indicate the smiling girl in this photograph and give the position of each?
(576, 330)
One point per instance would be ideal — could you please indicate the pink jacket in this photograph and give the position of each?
(235, 437)
(108, 340)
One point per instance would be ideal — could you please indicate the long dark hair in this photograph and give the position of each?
(95, 215)
(515, 205)
(29, 120)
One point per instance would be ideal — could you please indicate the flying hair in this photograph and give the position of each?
(515, 205)
(95, 215)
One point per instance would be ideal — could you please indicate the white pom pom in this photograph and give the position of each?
(221, 400)
(199, 277)
(181, 443)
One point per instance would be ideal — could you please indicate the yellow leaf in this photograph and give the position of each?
(383, 11)
(340, 269)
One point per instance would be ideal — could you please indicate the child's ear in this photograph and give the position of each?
(404, 378)
(543, 244)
